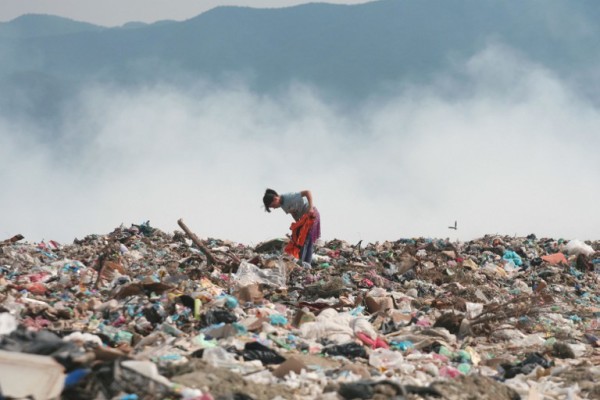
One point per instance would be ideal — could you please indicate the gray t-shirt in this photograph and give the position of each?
(295, 204)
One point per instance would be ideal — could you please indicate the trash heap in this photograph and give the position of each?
(142, 314)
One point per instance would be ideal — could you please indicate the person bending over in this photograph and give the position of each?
(307, 226)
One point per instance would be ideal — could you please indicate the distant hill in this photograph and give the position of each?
(36, 25)
(348, 51)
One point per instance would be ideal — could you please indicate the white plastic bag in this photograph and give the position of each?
(386, 359)
(248, 274)
(576, 247)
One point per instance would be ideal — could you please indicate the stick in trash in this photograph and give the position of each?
(16, 238)
(12, 240)
(209, 256)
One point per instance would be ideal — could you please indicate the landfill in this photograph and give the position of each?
(142, 314)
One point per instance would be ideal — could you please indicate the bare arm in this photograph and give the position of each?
(308, 195)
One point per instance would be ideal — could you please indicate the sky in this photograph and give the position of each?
(516, 153)
(118, 12)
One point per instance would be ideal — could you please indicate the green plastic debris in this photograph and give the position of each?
(464, 368)
(444, 351)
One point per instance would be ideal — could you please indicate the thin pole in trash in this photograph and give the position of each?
(209, 256)
(12, 240)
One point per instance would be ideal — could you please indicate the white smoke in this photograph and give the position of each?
(506, 148)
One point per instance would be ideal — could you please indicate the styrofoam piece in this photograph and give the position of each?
(28, 375)
(8, 323)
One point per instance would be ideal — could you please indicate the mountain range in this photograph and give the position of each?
(349, 52)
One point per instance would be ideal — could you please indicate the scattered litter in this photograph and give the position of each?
(142, 314)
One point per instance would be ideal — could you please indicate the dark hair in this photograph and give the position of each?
(268, 198)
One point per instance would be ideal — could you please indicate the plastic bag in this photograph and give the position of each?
(386, 359)
(248, 274)
(526, 366)
(356, 390)
(219, 357)
(576, 247)
(256, 351)
(513, 257)
(349, 350)
(217, 316)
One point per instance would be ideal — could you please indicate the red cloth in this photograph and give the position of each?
(375, 344)
(300, 230)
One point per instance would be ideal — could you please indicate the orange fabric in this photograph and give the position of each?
(300, 230)
(556, 258)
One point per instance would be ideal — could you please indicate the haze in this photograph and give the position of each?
(514, 162)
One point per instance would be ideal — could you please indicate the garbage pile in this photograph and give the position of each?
(142, 314)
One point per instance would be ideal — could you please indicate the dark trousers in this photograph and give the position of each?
(307, 250)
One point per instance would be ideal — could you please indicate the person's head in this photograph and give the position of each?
(271, 200)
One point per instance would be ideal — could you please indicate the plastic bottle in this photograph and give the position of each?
(197, 307)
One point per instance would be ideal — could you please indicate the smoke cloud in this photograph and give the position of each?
(499, 144)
